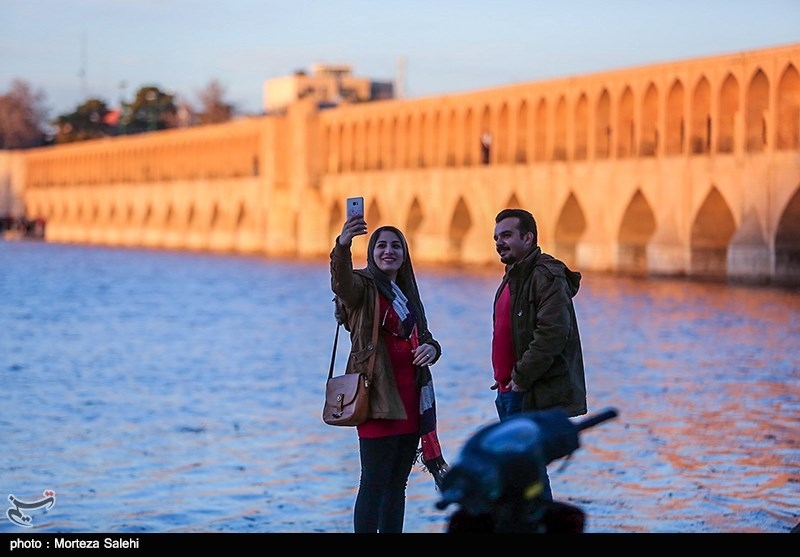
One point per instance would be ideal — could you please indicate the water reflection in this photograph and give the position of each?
(173, 392)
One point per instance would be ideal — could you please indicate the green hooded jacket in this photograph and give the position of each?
(544, 330)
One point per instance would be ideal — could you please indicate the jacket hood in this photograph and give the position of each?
(554, 266)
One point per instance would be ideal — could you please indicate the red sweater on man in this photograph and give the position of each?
(503, 357)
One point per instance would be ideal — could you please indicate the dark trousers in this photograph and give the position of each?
(386, 463)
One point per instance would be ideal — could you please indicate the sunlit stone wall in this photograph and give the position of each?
(689, 167)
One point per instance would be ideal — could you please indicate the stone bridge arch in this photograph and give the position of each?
(460, 225)
(787, 242)
(570, 227)
(635, 231)
(788, 102)
(711, 232)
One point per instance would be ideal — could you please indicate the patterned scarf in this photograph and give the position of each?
(400, 305)
(430, 454)
(431, 450)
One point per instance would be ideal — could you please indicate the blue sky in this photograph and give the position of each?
(446, 46)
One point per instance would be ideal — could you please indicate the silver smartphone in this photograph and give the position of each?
(355, 206)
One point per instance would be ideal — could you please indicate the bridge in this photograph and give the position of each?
(687, 168)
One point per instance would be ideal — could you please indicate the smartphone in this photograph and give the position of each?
(355, 206)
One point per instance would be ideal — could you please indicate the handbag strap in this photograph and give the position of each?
(374, 339)
(335, 344)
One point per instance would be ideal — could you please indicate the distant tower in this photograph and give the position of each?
(82, 71)
(400, 84)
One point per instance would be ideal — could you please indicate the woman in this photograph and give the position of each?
(402, 407)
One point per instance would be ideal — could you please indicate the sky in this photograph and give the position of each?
(73, 50)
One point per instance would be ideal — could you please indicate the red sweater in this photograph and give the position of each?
(405, 375)
(503, 357)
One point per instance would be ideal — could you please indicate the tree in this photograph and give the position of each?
(23, 117)
(214, 109)
(89, 121)
(151, 110)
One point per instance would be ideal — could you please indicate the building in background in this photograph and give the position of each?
(328, 85)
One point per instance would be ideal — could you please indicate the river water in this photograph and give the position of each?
(163, 392)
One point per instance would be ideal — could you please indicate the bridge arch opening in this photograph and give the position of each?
(675, 131)
(374, 217)
(570, 227)
(170, 222)
(787, 244)
(788, 120)
(728, 109)
(513, 202)
(335, 221)
(626, 125)
(413, 222)
(602, 130)
(637, 227)
(460, 224)
(757, 107)
(700, 121)
(712, 230)
(581, 137)
(648, 140)
(190, 217)
(521, 156)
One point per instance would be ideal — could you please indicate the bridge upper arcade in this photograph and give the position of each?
(728, 104)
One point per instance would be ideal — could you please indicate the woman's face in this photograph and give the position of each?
(388, 253)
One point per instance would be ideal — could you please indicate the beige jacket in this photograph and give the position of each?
(357, 295)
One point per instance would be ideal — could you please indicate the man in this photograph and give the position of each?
(536, 347)
(486, 146)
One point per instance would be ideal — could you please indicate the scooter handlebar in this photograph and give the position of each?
(595, 419)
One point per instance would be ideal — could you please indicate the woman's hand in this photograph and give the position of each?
(353, 226)
(424, 355)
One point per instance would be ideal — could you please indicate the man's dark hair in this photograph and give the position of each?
(526, 221)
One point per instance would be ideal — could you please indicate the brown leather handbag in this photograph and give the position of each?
(347, 395)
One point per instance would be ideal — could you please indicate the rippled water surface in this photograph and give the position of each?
(173, 392)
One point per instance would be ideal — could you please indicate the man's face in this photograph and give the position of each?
(509, 243)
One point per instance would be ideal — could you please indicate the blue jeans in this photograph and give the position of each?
(507, 405)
